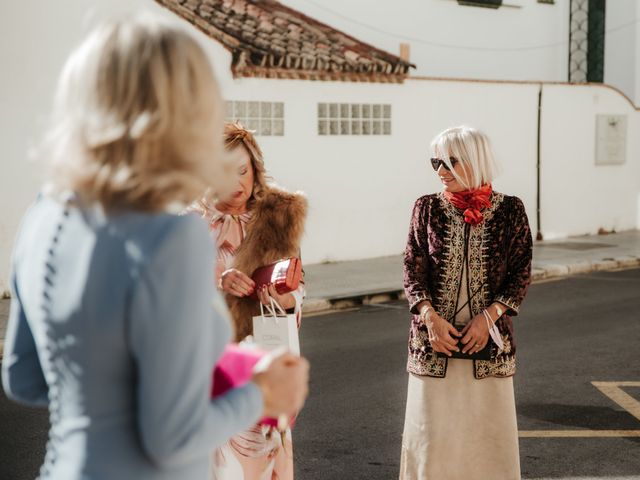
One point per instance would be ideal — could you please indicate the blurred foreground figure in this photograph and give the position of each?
(115, 321)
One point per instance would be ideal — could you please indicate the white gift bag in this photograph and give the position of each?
(274, 328)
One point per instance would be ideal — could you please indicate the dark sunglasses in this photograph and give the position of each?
(436, 162)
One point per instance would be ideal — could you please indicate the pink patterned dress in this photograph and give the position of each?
(260, 453)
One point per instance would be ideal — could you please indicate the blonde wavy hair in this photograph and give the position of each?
(137, 119)
(235, 135)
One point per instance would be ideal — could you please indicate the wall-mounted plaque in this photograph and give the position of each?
(611, 139)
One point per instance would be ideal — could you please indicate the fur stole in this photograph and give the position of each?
(273, 233)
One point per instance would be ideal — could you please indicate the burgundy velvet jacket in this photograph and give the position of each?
(499, 267)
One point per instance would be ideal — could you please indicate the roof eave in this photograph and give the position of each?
(328, 76)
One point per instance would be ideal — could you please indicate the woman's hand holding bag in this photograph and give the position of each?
(443, 336)
(475, 334)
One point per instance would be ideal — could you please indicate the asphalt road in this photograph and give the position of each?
(571, 332)
(23, 436)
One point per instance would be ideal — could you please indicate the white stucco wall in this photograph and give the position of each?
(635, 65)
(579, 197)
(360, 188)
(622, 47)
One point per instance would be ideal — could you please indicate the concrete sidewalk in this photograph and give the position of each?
(346, 284)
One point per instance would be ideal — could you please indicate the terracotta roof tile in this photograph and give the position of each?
(269, 39)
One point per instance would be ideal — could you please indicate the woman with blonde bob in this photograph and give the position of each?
(115, 322)
(467, 269)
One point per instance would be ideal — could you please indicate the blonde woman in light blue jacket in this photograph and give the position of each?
(115, 322)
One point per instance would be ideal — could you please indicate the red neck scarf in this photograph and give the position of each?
(472, 202)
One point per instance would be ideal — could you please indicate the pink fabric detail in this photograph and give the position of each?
(234, 370)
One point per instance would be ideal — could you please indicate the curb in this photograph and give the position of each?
(317, 306)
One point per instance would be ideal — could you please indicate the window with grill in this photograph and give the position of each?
(587, 40)
(354, 119)
(264, 118)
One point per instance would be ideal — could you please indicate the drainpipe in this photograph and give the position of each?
(538, 165)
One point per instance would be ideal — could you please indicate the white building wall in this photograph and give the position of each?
(579, 197)
(622, 47)
(450, 40)
(361, 188)
(635, 65)
(453, 41)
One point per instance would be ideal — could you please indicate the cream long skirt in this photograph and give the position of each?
(460, 428)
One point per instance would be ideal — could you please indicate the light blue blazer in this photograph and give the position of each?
(116, 325)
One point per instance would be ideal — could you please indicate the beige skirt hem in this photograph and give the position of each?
(460, 428)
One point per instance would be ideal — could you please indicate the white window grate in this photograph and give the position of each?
(354, 119)
(264, 118)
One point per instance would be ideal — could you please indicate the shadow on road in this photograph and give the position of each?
(579, 416)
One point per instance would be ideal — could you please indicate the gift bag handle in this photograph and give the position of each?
(274, 309)
(268, 308)
(277, 310)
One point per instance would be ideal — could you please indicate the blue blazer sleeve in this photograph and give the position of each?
(22, 376)
(176, 337)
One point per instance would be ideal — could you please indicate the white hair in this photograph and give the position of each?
(138, 119)
(472, 149)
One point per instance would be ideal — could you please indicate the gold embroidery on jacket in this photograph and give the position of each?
(500, 368)
(453, 259)
(431, 366)
(426, 362)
